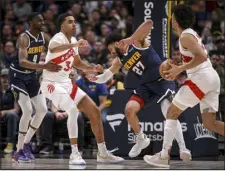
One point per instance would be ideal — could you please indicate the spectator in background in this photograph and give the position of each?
(7, 33)
(21, 8)
(9, 111)
(99, 53)
(216, 62)
(91, 37)
(9, 53)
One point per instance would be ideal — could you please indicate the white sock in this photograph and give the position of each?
(140, 135)
(29, 135)
(21, 138)
(74, 148)
(169, 134)
(102, 149)
(179, 137)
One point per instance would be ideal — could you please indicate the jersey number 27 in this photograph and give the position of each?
(138, 68)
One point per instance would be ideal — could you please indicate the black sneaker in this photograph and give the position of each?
(47, 150)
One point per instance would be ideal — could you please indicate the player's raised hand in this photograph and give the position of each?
(98, 68)
(52, 67)
(128, 41)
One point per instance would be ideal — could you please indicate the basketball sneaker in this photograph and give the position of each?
(109, 158)
(9, 148)
(185, 155)
(157, 161)
(76, 159)
(28, 151)
(141, 142)
(20, 157)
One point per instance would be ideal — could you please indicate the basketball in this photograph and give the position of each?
(165, 67)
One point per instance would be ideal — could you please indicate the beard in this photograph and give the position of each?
(119, 53)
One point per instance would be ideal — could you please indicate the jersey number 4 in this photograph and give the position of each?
(138, 68)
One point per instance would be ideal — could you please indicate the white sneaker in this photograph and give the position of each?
(139, 146)
(157, 161)
(185, 155)
(109, 158)
(76, 159)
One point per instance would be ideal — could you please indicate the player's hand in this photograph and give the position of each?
(98, 68)
(173, 72)
(59, 115)
(116, 62)
(128, 41)
(82, 43)
(52, 67)
(3, 113)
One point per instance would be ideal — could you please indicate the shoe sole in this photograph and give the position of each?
(155, 164)
(21, 161)
(132, 156)
(185, 156)
(77, 163)
(110, 162)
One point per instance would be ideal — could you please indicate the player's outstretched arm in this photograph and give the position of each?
(79, 64)
(23, 43)
(138, 37)
(107, 75)
(190, 43)
(56, 47)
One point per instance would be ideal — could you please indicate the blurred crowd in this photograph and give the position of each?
(94, 21)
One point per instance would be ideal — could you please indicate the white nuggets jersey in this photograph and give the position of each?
(188, 56)
(64, 58)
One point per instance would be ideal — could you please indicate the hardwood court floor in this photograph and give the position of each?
(62, 163)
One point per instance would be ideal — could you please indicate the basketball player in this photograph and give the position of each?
(202, 85)
(138, 56)
(25, 84)
(63, 50)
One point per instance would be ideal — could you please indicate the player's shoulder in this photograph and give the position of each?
(58, 36)
(73, 39)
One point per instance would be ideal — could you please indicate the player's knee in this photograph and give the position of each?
(208, 122)
(131, 110)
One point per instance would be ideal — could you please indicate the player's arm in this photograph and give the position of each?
(47, 40)
(190, 43)
(142, 31)
(108, 74)
(23, 43)
(56, 46)
(138, 37)
(79, 64)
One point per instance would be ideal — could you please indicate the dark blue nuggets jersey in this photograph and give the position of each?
(25, 80)
(144, 62)
(34, 50)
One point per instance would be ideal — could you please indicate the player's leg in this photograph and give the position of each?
(39, 102)
(26, 107)
(183, 99)
(185, 154)
(134, 105)
(58, 93)
(94, 115)
(209, 106)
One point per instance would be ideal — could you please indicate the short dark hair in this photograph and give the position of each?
(32, 15)
(61, 19)
(184, 16)
(112, 38)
